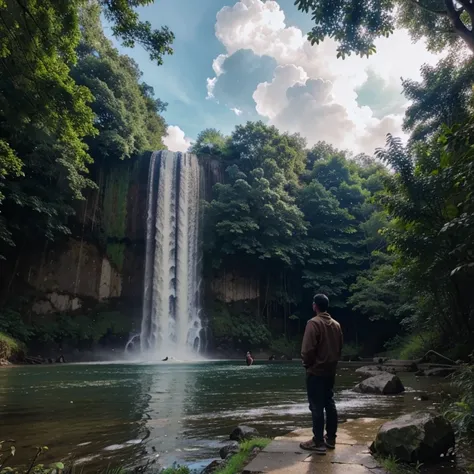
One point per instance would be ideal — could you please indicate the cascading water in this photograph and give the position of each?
(171, 323)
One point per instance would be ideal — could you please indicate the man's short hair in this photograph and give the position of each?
(321, 301)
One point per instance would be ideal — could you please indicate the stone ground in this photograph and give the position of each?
(351, 456)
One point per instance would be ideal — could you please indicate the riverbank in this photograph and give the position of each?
(351, 456)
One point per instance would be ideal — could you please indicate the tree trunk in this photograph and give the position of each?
(459, 27)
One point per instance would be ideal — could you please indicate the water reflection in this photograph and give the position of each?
(170, 399)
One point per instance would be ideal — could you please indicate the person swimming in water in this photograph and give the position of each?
(249, 358)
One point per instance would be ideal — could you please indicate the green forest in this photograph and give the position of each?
(387, 237)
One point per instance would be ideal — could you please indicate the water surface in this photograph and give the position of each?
(102, 414)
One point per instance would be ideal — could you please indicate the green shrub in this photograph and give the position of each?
(351, 351)
(176, 470)
(413, 346)
(286, 347)
(12, 323)
(461, 412)
(81, 329)
(237, 329)
(9, 347)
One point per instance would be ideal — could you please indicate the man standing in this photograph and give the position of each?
(321, 351)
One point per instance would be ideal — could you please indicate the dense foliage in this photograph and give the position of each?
(461, 412)
(388, 238)
(294, 219)
(356, 24)
(67, 98)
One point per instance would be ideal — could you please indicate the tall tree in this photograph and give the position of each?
(430, 201)
(45, 115)
(442, 97)
(256, 145)
(332, 203)
(356, 24)
(210, 142)
(125, 110)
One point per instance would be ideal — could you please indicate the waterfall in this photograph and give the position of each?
(171, 323)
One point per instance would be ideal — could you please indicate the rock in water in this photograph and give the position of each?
(383, 384)
(416, 437)
(369, 371)
(228, 449)
(243, 432)
(373, 370)
(423, 396)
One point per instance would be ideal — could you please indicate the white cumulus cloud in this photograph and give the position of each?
(271, 97)
(176, 140)
(313, 92)
(237, 111)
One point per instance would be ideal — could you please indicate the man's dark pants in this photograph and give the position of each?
(321, 399)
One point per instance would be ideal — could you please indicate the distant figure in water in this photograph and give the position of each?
(165, 359)
(249, 358)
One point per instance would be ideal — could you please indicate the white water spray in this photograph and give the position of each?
(171, 323)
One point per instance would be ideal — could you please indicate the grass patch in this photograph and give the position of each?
(237, 462)
(9, 346)
(176, 470)
(392, 465)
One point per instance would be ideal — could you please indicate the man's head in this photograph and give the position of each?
(320, 303)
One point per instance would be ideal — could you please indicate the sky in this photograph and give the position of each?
(236, 61)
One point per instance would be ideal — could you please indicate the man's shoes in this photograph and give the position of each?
(317, 448)
(330, 443)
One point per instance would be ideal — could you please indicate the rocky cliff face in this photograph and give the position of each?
(103, 259)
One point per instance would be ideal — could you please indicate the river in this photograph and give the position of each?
(107, 414)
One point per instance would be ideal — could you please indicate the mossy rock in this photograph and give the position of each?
(416, 437)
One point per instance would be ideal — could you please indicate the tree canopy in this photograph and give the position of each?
(66, 98)
(210, 142)
(356, 24)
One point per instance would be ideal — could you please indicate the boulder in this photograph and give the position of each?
(439, 372)
(213, 467)
(243, 432)
(229, 449)
(369, 371)
(383, 384)
(416, 437)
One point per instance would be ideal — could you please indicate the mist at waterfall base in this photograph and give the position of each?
(171, 325)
